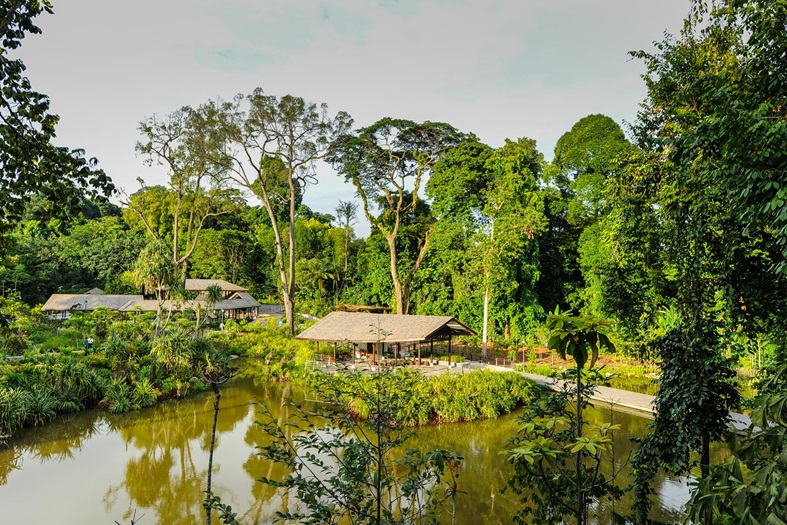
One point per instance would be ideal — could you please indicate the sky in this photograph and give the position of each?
(497, 68)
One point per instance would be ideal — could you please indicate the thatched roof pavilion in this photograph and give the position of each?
(376, 330)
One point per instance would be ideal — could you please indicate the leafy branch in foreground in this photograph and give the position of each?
(750, 485)
(557, 457)
(692, 408)
(29, 162)
(343, 470)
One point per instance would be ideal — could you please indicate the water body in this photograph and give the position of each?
(98, 468)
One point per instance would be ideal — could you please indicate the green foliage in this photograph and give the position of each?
(30, 163)
(557, 460)
(696, 394)
(717, 91)
(117, 396)
(445, 398)
(100, 250)
(749, 486)
(33, 394)
(553, 434)
(13, 410)
(144, 394)
(279, 356)
(389, 160)
(345, 471)
(579, 337)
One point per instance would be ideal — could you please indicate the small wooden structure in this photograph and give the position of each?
(373, 332)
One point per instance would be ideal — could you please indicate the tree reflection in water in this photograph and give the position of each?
(155, 461)
(169, 444)
(56, 441)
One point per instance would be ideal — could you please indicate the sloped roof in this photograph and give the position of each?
(60, 302)
(91, 300)
(200, 285)
(238, 300)
(370, 328)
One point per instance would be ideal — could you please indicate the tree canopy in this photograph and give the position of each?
(30, 162)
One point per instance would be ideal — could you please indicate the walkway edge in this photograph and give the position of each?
(641, 403)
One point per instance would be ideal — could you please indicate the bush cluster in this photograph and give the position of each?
(442, 399)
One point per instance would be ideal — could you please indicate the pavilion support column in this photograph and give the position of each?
(431, 349)
(449, 351)
(419, 352)
(334, 352)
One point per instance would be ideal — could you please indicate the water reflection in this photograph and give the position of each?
(101, 467)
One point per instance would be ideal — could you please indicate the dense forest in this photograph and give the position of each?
(611, 227)
(673, 229)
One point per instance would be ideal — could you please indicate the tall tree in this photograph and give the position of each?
(274, 144)
(719, 89)
(346, 213)
(557, 455)
(575, 241)
(153, 272)
(713, 125)
(390, 160)
(197, 191)
(29, 162)
(457, 189)
(489, 209)
(514, 210)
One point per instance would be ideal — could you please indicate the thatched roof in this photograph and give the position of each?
(200, 285)
(61, 302)
(370, 328)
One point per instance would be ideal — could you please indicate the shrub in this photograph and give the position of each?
(445, 398)
(117, 396)
(41, 405)
(58, 341)
(145, 394)
(13, 410)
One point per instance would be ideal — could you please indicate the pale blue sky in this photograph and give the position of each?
(497, 68)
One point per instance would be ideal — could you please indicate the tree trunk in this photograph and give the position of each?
(217, 397)
(289, 312)
(581, 506)
(705, 456)
(289, 289)
(401, 307)
(486, 321)
(487, 294)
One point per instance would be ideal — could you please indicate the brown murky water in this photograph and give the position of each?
(98, 468)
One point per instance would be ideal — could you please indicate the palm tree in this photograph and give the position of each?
(153, 271)
(213, 294)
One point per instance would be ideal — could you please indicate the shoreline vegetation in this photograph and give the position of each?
(127, 369)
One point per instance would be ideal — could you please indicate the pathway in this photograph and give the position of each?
(641, 403)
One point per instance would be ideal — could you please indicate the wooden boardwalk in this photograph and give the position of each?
(634, 401)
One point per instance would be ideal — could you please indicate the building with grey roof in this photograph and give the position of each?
(236, 302)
